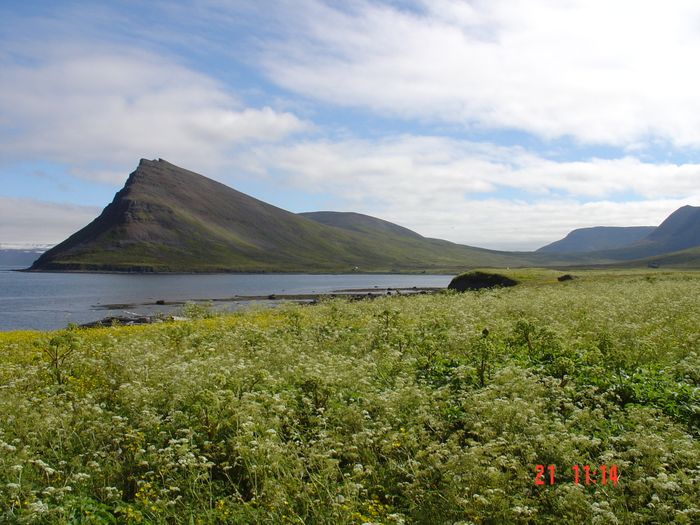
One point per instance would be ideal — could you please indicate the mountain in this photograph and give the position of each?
(678, 232)
(674, 241)
(169, 219)
(598, 238)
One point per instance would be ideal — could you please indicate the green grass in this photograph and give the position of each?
(397, 410)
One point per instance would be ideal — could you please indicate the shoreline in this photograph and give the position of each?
(356, 294)
(351, 293)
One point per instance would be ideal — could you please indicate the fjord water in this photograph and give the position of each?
(47, 301)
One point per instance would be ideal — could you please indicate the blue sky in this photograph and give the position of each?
(494, 123)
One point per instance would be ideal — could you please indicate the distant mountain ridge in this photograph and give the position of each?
(679, 232)
(597, 238)
(169, 219)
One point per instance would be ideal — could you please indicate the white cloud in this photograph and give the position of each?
(453, 189)
(516, 225)
(99, 111)
(618, 73)
(428, 167)
(31, 222)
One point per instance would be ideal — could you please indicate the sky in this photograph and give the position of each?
(495, 123)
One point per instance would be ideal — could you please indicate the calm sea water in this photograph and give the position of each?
(46, 301)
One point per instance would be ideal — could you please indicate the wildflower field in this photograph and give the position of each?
(479, 407)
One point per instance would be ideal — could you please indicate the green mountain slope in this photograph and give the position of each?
(170, 219)
(683, 259)
(357, 222)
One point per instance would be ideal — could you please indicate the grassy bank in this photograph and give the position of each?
(423, 409)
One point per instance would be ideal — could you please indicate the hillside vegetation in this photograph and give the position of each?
(422, 409)
(687, 259)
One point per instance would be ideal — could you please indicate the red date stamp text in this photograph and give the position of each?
(579, 475)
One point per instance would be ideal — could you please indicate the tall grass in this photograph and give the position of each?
(423, 409)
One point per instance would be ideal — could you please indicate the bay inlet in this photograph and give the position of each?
(49, 301)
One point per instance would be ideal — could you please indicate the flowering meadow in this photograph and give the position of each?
(474, 408)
